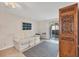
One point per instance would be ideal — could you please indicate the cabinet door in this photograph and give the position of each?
(68, 17)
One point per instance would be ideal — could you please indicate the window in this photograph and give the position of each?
(27, 26)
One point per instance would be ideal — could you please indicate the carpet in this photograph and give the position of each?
(44, 49)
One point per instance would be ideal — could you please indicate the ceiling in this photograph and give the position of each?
(36, 10)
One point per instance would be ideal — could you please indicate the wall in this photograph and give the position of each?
(11, 28)
(44, 26)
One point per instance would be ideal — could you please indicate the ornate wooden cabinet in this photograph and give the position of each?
(68, 43)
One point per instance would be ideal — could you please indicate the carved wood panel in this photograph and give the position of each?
(69, 46)
(67, 24)
(68, 31)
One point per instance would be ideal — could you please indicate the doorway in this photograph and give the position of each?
(54, 31)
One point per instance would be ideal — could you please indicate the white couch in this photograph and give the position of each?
(24, 44)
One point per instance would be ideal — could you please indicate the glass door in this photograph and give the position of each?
(54, 31)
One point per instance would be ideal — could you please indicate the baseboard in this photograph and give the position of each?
(7, 47)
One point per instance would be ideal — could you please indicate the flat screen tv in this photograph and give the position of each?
(26, 26)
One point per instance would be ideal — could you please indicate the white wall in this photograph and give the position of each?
(44, 26)
(11, 28)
